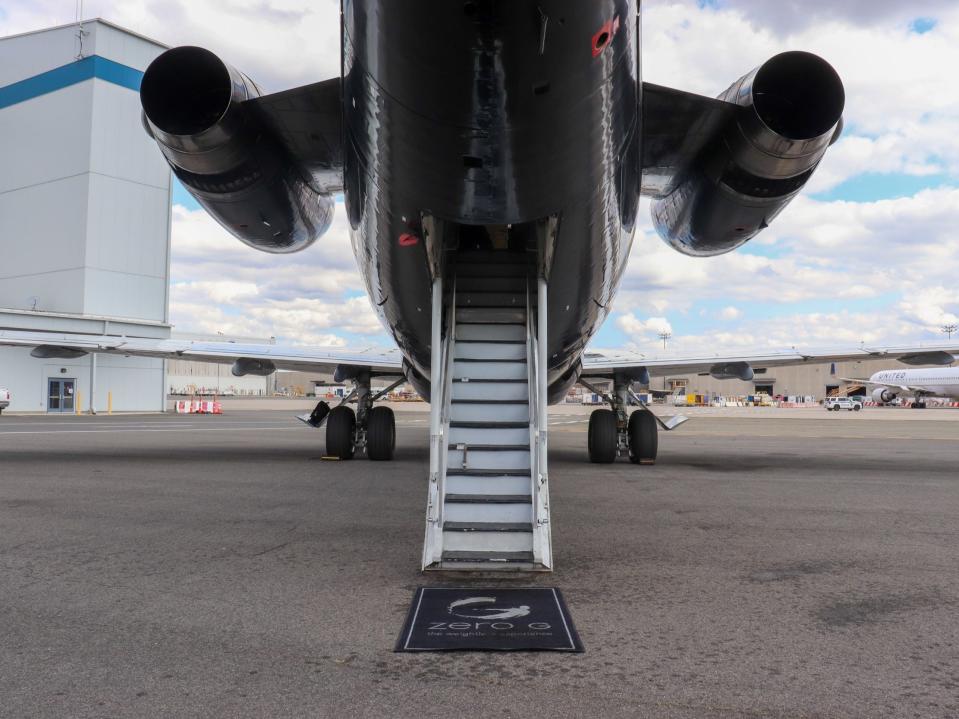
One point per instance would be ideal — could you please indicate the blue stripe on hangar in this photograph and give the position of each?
(72, 74)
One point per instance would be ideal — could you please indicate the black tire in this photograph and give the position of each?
(380, 434)
(603, 438)
(340, 428)
(857, 408)
(643, 437)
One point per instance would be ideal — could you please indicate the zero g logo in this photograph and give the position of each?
(490, 615)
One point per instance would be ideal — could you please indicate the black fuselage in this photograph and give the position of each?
(492, 113)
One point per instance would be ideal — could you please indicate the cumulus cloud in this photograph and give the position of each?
(787, 16)
(637, 328)
(313, 297)
(279, 43)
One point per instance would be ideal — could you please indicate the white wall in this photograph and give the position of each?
(137, 384)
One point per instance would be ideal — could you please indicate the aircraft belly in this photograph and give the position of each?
(497, 122)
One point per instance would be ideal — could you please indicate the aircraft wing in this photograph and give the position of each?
(247, 358)
(744, 365)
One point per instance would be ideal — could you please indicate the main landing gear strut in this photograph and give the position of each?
(368, 428)
(615, 432)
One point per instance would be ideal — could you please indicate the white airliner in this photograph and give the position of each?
(919, 383)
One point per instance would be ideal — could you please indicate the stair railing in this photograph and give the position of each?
(441, 390)
(536, 351)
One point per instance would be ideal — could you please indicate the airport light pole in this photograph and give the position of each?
(949, 328)
(664, 336)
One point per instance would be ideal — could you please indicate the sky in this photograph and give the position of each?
(868, 253)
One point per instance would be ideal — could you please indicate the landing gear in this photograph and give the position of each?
(370, 428)
(603, 437)
(341, 433)
(614, 432)
(919, 404)
(643, 437)
(380, 434)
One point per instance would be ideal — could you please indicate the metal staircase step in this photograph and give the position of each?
(491, 315)
(482, 411)
(488, 459)
(490, 298)
(488, 513)
(493, 539)
(490, 351)
(488, 527)
(489, 557)
(486, 331)
(493, 447)
(483, 370)
(491, 284)
(499, 485)
(491, 269)
(515, 390)
(489, 499)
(487, 472)
(509, 433)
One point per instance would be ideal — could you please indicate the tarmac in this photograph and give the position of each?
(773, 563)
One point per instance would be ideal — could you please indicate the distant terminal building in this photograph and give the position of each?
(818, 380)
(84, 215)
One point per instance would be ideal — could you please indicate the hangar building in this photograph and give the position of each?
(84, 215)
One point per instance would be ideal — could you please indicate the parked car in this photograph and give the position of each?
(848, 403)
(4, 399)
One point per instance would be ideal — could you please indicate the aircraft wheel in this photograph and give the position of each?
(340, 429)
(603, 437)
(380, 434)
(643, 437)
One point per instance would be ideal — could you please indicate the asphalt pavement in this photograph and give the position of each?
(774, 565)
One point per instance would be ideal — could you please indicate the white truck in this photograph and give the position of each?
(834, 404)
(4, 399)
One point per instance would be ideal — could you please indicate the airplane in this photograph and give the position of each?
(918, 383)
(491, 155)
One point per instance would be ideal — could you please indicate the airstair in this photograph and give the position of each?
(489, 503)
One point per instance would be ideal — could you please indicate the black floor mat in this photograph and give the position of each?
(443, 619)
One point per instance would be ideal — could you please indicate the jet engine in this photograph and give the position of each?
(198, 110)
(883, 395)
(785, 115)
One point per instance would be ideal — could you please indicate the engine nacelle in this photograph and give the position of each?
(790, 111)
(733, 370)
(195, 107)
(256, 367)
(882, 395)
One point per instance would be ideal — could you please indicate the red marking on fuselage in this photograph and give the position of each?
(604, 36)
(408, 240)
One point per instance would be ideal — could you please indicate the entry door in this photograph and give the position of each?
(60, 398)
